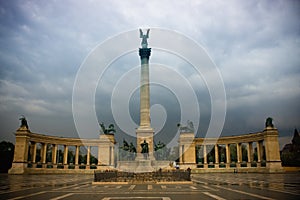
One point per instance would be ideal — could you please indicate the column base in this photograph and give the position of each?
(274, 167)
(17, 168)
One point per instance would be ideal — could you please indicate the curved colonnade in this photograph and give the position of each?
(53, 154)
(253, 152)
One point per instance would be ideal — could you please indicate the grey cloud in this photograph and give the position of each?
(255, 45)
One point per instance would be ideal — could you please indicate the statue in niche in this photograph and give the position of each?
(189, 128)
(23, 121)
(145, 149)
(109, 130)
(269, 122)
(144, 38)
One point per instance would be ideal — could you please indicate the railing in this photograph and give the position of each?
(158, 176)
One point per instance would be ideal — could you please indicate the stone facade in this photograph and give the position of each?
(254, 152)
(266, 151)
(26, 146)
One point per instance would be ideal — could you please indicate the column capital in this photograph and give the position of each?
(145, 52)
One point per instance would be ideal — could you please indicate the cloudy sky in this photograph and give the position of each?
(255, 46)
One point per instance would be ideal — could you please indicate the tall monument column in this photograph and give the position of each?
(145, 88)
(144, 131)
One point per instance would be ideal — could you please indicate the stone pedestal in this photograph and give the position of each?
(273, 162)
(144, 166)
(21, 151)
(142, 135)
(187, 149)
(106, 150)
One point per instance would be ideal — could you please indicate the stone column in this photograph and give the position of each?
(77, 156)
(181, 153)
(88, 157)
(144, 131)
(99, 157)
(145, 88)
(239, 154)
(112, 160)
(258, 154)
(44, 154)
(33, 153)
(54, 153)
(65, 162)
(249, 153)
(216, 156)
(205, 156)
(228, 160)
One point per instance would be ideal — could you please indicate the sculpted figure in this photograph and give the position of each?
(109, 130)
(145, 147)
(132, 148)
(144, 38)
(23, 121)
(269, 122)
(189, 128)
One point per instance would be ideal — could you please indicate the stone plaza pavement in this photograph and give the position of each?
(204, 186)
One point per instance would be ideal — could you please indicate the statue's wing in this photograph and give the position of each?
(148, 30)
(141, 33)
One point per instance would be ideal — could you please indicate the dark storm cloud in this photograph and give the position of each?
(254, 44)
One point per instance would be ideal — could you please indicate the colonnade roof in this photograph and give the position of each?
(41, 138)
(245, 138)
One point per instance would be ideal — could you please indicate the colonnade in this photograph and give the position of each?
(204, 153)
(26, 152)
(225, 159)
(196, 153)
(55, 161)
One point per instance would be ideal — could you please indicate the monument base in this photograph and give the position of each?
(144, 134)
(141, 166)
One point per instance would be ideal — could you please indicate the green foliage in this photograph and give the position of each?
(174, 154)
(6, 156)
(290, 159)
(290, 155)
(244, 153)
(233, 153)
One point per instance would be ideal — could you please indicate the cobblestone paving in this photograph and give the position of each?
(204, 186)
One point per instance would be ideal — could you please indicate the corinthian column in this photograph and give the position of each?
(145, 88)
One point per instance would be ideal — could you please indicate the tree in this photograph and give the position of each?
(71, 157)
(244, 153)
(174, 154)
(6, 156)
(233, 153)
(290, 154)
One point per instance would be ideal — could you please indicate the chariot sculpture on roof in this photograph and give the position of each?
(189, 128)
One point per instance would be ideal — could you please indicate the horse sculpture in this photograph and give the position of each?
(189, 128)
(109, 130)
